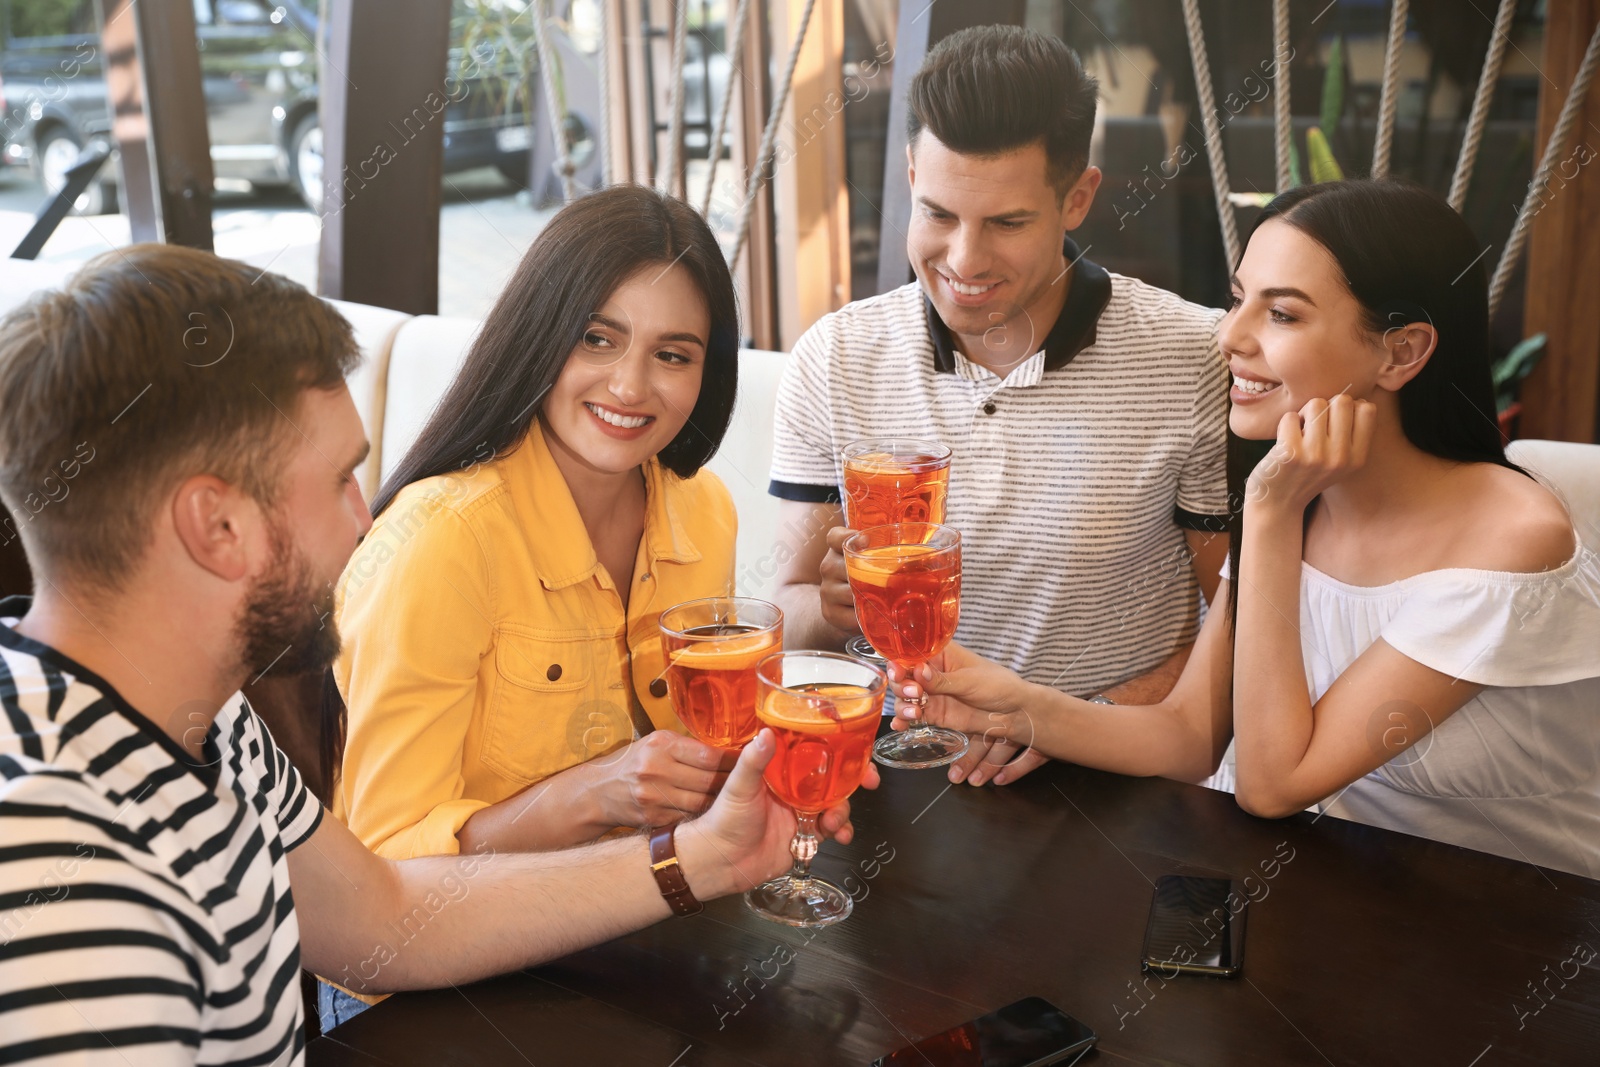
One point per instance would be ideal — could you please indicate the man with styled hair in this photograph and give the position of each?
(1087, 410)
(179, 447)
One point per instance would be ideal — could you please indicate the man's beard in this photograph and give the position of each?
(287, 625)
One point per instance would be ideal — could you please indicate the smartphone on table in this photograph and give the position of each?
(1030, 1033)
(1196, 927)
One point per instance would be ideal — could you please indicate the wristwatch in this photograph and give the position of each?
(1101, 698)
(669, 876)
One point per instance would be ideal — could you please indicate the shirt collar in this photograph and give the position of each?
(561, 549)
(1088, 293)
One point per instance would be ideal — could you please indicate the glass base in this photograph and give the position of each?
(920, 747)
(862, 649)
(793, 902)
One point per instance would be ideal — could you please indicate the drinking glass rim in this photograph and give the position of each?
(939, 455)
(937, 527)
(748, 601)
(880, 677)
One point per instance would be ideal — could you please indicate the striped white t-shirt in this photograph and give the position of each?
(145, 913)
(1074, 476)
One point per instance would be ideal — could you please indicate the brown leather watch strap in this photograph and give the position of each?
(669, 876)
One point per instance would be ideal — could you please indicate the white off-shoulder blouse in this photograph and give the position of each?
(1516, 770)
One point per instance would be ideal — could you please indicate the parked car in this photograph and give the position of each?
(259, 67)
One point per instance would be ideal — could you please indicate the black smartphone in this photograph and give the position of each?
(1030, 1033)
(1196, 927)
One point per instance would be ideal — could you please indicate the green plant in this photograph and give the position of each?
(498, 34)
(1509, 371)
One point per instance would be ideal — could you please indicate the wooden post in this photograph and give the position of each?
(385, 88)
(153, 88)
(614, 54)
(921, 25)
(757, 277)
(813, 215)
(1561, 398)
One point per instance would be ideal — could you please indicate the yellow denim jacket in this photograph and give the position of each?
(486, 648)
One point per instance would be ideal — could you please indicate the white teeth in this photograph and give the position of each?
(970, 290)
(626, 422)
(1246, 385)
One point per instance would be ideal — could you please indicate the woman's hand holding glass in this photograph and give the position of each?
(659, 779)
(979, 698)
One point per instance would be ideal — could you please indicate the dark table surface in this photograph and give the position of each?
(1363, 947)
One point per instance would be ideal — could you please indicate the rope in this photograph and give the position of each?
(770, 134)
(1208, 117)
(1541, 177)
(1480, 103)
(605, 93)
(1381, 147)
(558, 127)
(1283, 131)
(735, 51)
(680, 33)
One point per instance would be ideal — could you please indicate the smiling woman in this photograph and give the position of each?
(502, 657)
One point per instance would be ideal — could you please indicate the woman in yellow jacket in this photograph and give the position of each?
(501, 663)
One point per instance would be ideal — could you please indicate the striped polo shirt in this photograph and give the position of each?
(145, 913)
(1075, 472)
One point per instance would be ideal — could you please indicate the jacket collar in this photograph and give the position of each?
(561, 549)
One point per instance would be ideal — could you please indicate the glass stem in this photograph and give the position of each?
(919, 725)
(804, 845)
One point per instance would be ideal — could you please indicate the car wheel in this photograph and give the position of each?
(305, 162)
(55, 153)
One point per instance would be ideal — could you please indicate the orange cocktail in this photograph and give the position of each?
(824, 710)
(906, 580)
(824, 741)
(892, 479)
(908, 599)
(711, 648)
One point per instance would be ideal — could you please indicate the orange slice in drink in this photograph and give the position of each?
(822, 710)
(726, 654)
(875, 566)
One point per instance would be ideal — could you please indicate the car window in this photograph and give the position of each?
(244, 12)
(51, 18)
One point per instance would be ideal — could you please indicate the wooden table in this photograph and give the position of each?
(1363, 947)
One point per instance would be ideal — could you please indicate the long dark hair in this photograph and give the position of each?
(1406, 257)
(588, 249)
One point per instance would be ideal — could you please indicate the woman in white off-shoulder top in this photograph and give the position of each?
(1416, 624)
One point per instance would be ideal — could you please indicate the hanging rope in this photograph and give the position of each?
(553, 105)
(1208, 117)
(605, 93)
(1480, 103)
(680, 34)
(1282, 130)
(1541, 177)
(1382, 147)
(735, 53)
(768, 135)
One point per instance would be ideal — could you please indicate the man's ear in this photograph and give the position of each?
(911, 164)
(213, 520)
(1080, 198)
(1406, 350)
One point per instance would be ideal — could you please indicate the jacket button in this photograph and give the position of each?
(554, 673)
(988, 409)
(658, 688)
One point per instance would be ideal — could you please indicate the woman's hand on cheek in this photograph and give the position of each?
(1318, 445)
